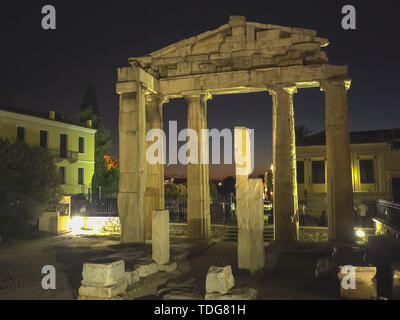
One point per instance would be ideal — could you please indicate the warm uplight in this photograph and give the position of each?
(360, 233)
(76, 224)
(272, 167)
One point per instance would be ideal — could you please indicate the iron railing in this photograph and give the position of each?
(388, 211)
(221, 211)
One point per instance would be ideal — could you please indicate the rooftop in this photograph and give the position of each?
(359, 137)
(44, 115)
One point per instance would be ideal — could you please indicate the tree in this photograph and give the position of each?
(301, 132)
(213, 191)
(228, 186)
(89, 107)
(107, 179)
(176, 192)
(104, 177)
(29, 182)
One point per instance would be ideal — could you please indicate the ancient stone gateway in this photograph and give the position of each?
(237, 57)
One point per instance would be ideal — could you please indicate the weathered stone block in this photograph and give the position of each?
(160, 232)
(219, 279)
(132, 277)
(269, 35)
(234, 294)
(103, 292)
(365, 283)
(103, 275)
(168, 268)
(147, 269)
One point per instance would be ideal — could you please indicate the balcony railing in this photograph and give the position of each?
(61, 155)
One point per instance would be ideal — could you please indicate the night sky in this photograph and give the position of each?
(43, 70)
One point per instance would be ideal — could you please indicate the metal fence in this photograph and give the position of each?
(221, 211)
(388, 211)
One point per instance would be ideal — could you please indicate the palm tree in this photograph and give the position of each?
(301, 132)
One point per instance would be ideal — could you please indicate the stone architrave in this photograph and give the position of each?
(284, 159)
(198, 185)
(160, 242)
(339, 179)
(249, 208)
(154, 195)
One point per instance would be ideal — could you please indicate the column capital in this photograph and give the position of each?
(325, 84)
(197, 95)
(289, 88)
(152, 97)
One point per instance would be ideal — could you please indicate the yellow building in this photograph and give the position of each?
(375, 161)
(72, 145)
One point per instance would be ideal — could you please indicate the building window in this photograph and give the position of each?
(318, 172)
(63, 145)
(63, 175)
(300, 171)
(43, 139)
(367, 171)
(21, 133)
(80, 176)
(81, 145)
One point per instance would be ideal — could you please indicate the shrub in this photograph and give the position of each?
(29, 182)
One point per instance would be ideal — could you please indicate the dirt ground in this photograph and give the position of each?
(21, 264)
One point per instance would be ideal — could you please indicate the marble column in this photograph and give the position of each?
(132, 181)
(198, 187)
(339, 181)
(154, 195)
(284, 159)
(249, 206)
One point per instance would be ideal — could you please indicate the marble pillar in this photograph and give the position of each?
(132, 181)
(339, 181)
(154, 195)
(198, 187)
(284, 172)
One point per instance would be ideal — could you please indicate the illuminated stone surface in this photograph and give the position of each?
(365, 285)
(160, 243)
(219, 279)
(103, 275)
(103, 292)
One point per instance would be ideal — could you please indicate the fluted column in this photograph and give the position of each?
(154, 196)
(284, 159)
(198, 187)
(132, 181)
(339, 182)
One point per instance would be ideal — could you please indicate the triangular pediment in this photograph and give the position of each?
(238, 45)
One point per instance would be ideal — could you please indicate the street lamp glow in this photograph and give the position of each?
(360, 233)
